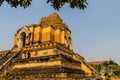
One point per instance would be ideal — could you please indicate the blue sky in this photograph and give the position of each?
(95, 30)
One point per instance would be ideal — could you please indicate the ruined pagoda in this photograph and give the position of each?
(44, 51)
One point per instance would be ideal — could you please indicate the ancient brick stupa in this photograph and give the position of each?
(44, 51)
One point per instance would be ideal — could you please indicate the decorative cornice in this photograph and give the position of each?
(48, 45)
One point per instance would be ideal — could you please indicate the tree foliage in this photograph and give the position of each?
(96, 67)
(56, 4)
(16, 3)
(117, 71)
(110, 69)
(80, 4)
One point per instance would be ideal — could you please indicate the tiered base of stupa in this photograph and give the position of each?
(54, 72)
(54, 66)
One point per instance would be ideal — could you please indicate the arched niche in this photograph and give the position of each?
(23, 36)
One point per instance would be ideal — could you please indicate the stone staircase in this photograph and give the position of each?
(4, 62)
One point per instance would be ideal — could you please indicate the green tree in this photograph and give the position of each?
(112, 68)
(116, 70)
(56, 4)
(105, 64)
(96, 67)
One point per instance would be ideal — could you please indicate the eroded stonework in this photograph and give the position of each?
(44, 51)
